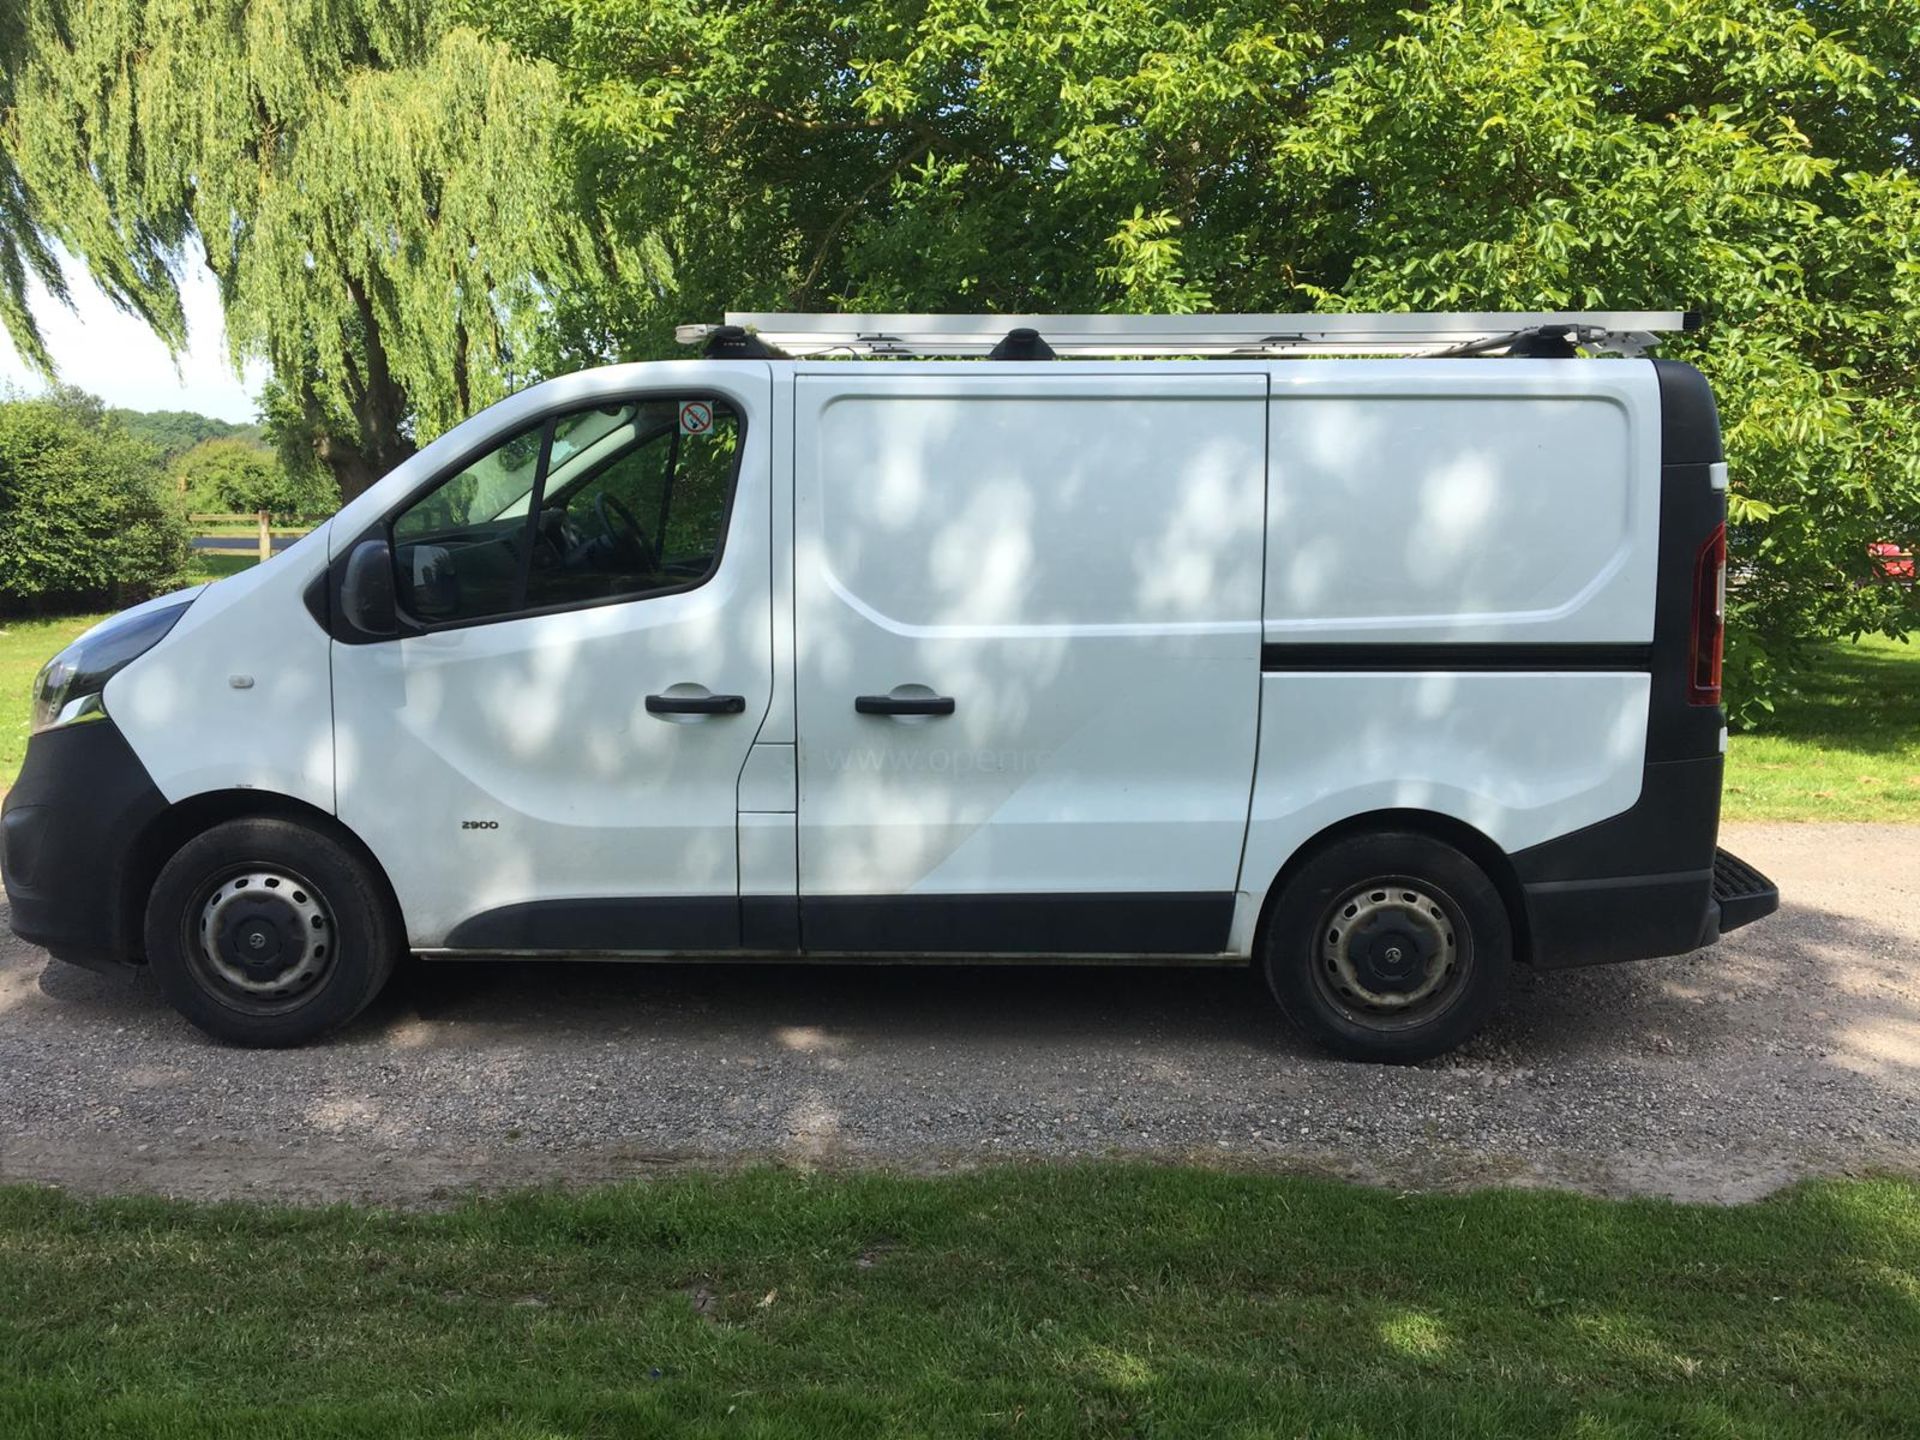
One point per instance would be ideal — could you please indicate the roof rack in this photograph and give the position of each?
(1620, 332)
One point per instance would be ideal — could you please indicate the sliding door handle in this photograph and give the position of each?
(696, 704)
(903, 704)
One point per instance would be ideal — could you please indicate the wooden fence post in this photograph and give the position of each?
(266, 536)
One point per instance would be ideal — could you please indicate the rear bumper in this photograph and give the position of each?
(1638, 917)
(67, 835)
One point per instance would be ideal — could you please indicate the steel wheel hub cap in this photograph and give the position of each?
(266, 932)
(1389, 946)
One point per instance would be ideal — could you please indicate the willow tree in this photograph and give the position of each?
(373, 187)
(1754, 159)
(24, 253)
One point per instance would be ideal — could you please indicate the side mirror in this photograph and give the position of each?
(366, 589)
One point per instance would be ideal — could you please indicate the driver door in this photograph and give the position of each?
(548, 759)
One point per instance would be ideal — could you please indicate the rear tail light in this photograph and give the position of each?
(1709, 619)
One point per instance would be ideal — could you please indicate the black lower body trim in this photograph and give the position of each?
(665, 923)
(1076, 924)
(1515, 655)
(1629, 917)
(70, 825)
(1639, 917)
(1186, 923)
(769, 922)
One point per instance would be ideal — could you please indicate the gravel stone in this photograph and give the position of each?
(1790, 1049)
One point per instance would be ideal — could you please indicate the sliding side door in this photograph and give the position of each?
(1028, 654)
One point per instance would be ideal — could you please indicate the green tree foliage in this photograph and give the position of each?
(407, 215)
(235, 474)
(374, 189)
(24, 252)
(84, 513)
(174, 432)
(1751, 158)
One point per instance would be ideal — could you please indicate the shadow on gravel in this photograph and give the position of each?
(818, 1006)
(1811, 983)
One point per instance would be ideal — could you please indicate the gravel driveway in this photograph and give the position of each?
(1793, 1048)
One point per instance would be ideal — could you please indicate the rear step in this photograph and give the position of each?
(1742, 892)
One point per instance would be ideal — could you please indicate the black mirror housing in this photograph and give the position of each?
(367, 600)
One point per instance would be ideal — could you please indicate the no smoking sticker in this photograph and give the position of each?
(696, 417)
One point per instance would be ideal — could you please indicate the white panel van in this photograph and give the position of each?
(1381, 675)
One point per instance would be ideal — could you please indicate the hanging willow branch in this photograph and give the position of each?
(376, 191)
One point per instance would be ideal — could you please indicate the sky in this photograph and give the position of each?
(102, 349)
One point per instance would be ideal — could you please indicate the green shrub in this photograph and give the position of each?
(84, 514)
(227, 475)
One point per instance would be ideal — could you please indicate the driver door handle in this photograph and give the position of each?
(696, 704)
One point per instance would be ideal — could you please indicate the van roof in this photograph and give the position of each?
(772, 334)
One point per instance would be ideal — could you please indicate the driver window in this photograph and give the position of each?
(613, 503)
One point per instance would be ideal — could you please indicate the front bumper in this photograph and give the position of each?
(1638, 917)
(68, 834)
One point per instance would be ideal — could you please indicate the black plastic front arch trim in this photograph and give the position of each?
(70, 824)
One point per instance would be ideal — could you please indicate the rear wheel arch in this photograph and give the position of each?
(1472, 843)
(192, 817)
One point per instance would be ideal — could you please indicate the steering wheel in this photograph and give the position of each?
(631, 545)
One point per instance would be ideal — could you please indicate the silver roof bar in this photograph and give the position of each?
(1624, 332)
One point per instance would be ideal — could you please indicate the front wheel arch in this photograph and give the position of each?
(187, 819)
(271, 931)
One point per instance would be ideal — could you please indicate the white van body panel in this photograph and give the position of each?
(1087, 557)
(1521, 758)
(1415, 502)
(514, 762)
(1073, 554)
(237, 697)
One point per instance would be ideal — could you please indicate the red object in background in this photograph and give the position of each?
(1890, 562)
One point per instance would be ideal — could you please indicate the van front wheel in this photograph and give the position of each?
(269, 932)
(1389, 947)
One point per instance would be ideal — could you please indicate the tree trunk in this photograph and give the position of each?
(378, 405)
(352, 471)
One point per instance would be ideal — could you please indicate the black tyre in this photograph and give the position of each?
(270, 932)
(1390, 947)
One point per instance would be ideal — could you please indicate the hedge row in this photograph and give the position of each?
(85, 517)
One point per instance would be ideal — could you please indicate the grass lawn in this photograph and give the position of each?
(26, 645)
(1847, 748)
(1094, 1300)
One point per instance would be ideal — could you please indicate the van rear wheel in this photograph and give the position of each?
(270, 932)
(1389, 947)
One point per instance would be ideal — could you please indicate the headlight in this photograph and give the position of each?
(69, 686)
